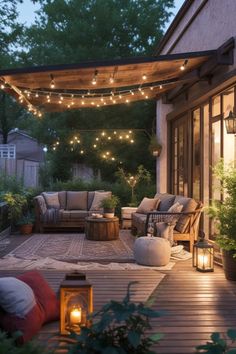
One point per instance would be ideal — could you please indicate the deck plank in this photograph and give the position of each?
(196, 304)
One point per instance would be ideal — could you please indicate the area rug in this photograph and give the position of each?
(75, 247)
(11, 262)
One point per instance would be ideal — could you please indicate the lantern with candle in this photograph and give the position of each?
(203, 255)
(76, 302)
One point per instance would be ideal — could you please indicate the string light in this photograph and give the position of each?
(183, 66)
(94, 80)
(144, 77)
(52, 83)
(111, 79)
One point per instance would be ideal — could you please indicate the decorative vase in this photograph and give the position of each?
(109, 212)
(229, 264)
(26, 229)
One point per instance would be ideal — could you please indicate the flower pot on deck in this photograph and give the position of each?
(26, 229)
(229, 264)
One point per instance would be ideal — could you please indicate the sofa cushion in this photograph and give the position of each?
(98, 197)
(77, 200)
(66, 215)
(51, 199)
(189, 205)
(62, 199)
(166, 201)
(148, 204)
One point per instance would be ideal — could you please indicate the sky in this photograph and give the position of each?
(26, 11)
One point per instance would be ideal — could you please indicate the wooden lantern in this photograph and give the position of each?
(203, 255)
(76, 303)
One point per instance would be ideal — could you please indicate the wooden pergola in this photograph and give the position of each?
(57, 88)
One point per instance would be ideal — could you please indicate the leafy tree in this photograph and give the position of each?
(10, 37)
(72, 31)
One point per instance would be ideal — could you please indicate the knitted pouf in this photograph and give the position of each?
(152, 251)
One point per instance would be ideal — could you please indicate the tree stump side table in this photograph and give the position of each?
(126, 217)
(102, 229)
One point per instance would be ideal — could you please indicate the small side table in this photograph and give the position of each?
(126, 217)
(104, 229)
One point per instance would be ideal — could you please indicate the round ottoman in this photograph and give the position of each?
(152, 251)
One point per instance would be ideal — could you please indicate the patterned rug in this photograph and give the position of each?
(75, 247)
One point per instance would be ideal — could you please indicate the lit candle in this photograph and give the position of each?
(75, 316)
(203, 260)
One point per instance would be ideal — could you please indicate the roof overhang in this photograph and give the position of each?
(117, 81)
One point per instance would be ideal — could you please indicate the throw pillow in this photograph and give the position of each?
(165, 230)
(28, 326)
(98, 197)
(77, 200)
(16, 297)
(175, 208)
(44, 294)
(52, 200)
(148, 204)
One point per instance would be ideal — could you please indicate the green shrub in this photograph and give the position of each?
(219, 345)
(120, 329)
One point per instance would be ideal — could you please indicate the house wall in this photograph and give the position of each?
(206, 25)
(211, 27)
(26, 147)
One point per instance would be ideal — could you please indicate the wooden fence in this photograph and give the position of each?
(26, 170)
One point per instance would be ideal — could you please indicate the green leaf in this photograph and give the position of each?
(156, 337)
(134, 338)
(215, 336)
(231, 333)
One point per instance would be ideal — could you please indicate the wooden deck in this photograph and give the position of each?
(196, 304)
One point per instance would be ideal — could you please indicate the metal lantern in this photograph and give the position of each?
(76, 303)
(203, 255)
(230, 123)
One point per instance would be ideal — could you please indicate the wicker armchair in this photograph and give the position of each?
(190, 220)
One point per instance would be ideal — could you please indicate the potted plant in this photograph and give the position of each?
(154, 146)
(26, 223)
(108, 204)
(224, 214)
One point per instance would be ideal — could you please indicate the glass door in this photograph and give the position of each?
(179, 157)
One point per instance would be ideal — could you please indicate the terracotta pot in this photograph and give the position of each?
(26, 229)
(229, 264)
(109, 212)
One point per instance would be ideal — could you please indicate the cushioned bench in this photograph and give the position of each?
(186, 221)
(66, 209)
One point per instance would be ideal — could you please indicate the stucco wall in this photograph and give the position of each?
(214, 24)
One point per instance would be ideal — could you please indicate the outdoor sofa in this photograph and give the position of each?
(66, 209)
(185, 223)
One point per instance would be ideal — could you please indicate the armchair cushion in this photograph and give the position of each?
(166, 201)
(189, 205)
(148, 204)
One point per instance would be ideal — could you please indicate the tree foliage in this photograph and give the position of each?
(68, 31)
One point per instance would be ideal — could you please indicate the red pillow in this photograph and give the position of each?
(29, 325)
(44, 295)
(45, 310)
